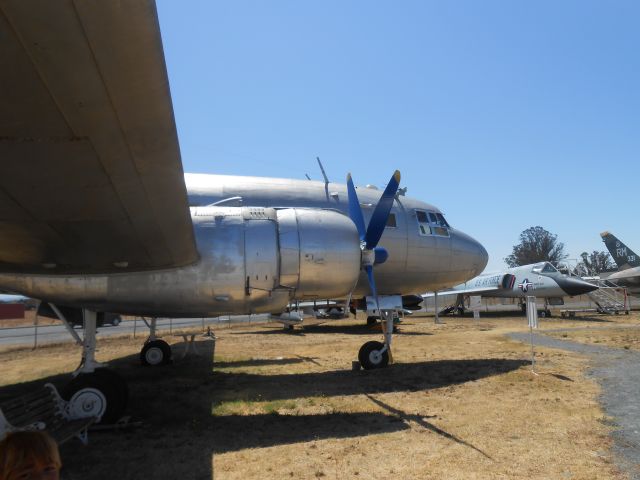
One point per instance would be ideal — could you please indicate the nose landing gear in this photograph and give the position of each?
(374, 354)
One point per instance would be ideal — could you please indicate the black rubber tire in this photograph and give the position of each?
(115, 321)
(365, 356)
(117, 381)
(152, 348)
(104, 383)
(372, 321)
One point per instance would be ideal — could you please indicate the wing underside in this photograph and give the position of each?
(91, 178)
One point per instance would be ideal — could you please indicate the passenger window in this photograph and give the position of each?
(391, 220)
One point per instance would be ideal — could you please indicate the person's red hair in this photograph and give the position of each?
(24, 451)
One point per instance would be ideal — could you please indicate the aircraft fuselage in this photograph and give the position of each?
(281, 240)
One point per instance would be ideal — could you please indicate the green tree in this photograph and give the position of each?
(536, 245)
(595, 262)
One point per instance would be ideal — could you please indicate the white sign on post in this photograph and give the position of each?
(532, 312)
(475, 304)
(532, 318)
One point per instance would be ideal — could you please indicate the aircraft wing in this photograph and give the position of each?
(91, 178)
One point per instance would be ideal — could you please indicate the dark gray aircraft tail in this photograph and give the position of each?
(622, 255)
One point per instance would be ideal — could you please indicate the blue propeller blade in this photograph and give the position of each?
(372, 284)
(355, 212)
(381, 213)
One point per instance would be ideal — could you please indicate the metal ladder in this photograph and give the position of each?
(608, 299)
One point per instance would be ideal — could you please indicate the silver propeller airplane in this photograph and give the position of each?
(95, 213)
(541, 280)
(628, 274)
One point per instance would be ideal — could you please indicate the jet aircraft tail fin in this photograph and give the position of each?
(622, 255)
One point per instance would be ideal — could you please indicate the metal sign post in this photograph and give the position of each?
(532, 318)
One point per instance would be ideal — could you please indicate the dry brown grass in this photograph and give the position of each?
(460, 402)
(620, 331)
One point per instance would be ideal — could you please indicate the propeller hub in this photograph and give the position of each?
(368, 257)
(381, 255)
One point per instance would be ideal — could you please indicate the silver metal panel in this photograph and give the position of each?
(289, 248)
(261, 259)
(91, 166)
(329, 254)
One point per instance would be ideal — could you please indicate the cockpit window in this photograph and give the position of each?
(432, 223)
(544, 267)
(441, 221)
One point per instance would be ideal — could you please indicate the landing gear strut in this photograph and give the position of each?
(376, 354)
(95, 391)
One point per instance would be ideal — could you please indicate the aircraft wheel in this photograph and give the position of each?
(116, 321)
(372, 321)
(156, 352)
(370, 356)
(101, 394)
(543, 313)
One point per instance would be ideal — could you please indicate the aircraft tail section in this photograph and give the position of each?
(622, 255)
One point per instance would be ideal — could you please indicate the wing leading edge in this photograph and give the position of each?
(91, 178)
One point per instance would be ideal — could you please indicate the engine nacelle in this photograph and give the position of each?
(252, 260)
(282, 254)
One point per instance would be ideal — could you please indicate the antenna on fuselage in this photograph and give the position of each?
(326, 180)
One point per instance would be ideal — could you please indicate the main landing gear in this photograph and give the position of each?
(95, 391)
(377, 354)
(544, 313)
(154, 352)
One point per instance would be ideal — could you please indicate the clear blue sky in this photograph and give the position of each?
(505, 114)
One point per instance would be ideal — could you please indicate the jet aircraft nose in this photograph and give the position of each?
(467, 254)
(575, 286)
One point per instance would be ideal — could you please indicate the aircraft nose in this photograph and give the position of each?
(575, 286)
(467, 253)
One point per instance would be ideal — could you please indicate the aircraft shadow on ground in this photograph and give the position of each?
(328, 328)
(179, 435)
(400, 377)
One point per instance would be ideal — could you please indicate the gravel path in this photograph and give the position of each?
(618, 371)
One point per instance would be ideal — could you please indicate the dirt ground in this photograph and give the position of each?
(459, 402)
